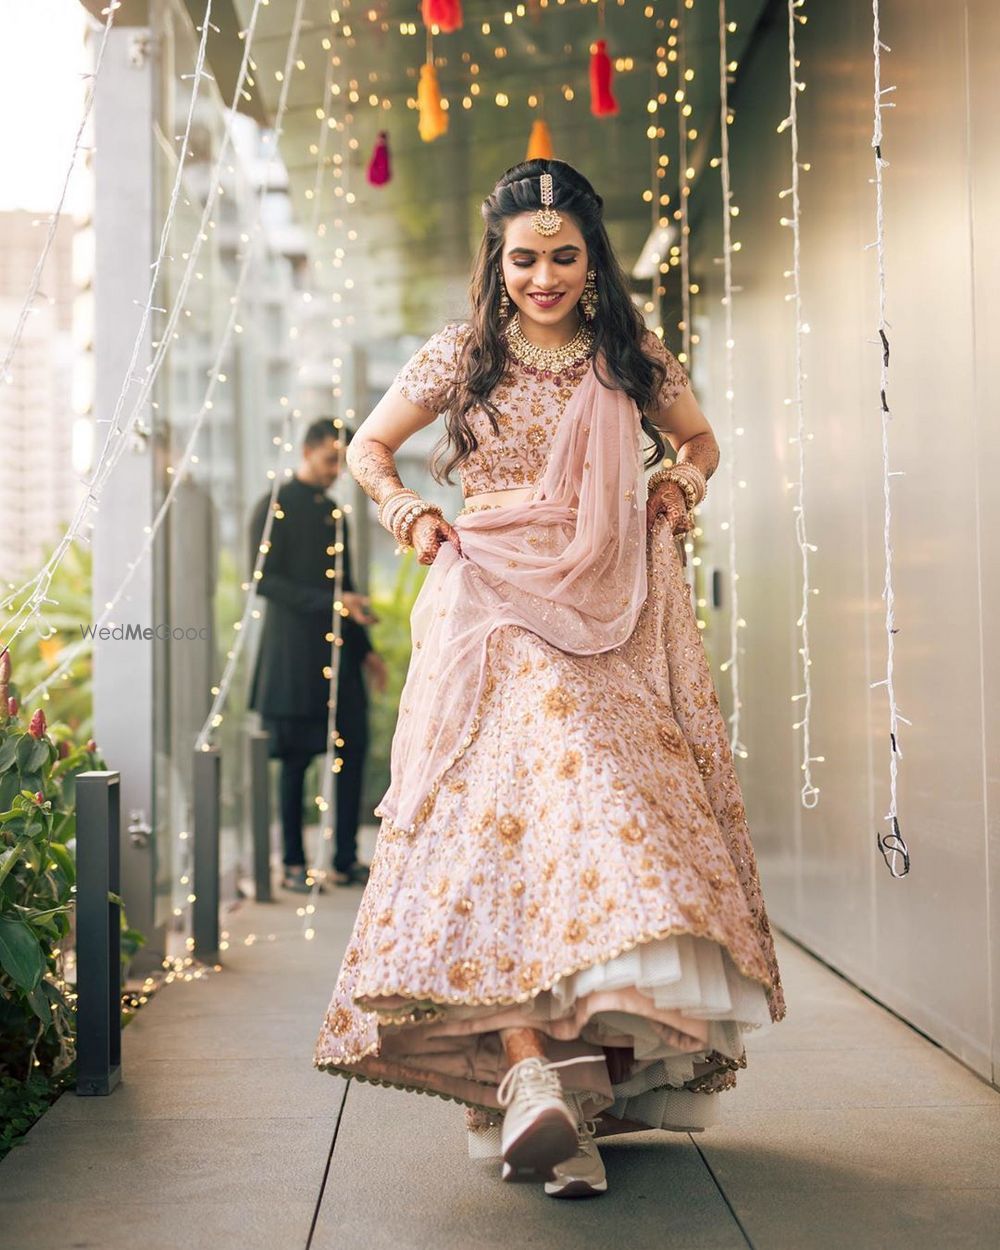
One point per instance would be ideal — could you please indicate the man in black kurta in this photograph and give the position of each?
(290, 686)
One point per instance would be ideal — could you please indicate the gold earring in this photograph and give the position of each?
(504, 305)
(588, 300)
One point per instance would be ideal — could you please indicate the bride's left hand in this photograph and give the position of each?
(668, 499)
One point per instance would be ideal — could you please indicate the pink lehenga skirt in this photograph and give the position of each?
(584, 868)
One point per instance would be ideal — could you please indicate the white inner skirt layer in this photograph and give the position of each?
(691, 975)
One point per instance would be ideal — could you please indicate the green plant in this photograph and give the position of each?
(34, 658)
(38, 770)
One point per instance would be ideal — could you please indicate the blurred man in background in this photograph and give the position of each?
(290, 688)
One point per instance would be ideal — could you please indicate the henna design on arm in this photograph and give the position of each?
(373, 467)
(702, 451)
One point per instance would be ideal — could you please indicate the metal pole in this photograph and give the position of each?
(207, 767)
(98, 933)
(260, 813)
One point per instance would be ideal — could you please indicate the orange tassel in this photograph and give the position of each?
(540, 142)
(433, 118)
(446, 15)
(602, 101)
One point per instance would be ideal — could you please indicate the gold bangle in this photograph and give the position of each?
(405, 525)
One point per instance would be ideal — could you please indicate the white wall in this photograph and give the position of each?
(920, 944)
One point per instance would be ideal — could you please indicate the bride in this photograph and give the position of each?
(564, 927)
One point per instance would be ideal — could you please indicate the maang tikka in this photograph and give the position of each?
(546, 220)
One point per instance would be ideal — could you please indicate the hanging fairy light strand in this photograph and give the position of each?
(331, 762)
(36, 588)
(809, 793)
(36, 278)
(731, 665)
(685, 75)
(178, 471)
(215, 714)
(892, 846)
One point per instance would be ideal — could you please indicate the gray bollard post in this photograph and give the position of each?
(205, 923)
(98, 933)
(260, 813)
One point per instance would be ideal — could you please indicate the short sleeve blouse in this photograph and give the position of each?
(677, 377)
(530, 407)
(427, 379)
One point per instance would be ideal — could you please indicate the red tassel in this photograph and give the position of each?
(602, 102)
(379, 171)
(446, 15)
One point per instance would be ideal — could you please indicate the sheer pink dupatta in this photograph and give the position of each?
(568, 564)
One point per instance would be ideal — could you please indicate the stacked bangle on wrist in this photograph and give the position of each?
(393, 504)
(404, 525)
(688, 477)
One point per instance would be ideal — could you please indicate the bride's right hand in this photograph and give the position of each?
(428, 533)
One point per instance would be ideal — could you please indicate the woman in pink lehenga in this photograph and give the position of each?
(563, 927)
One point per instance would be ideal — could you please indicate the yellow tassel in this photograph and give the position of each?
(540, 143)
(433, 118)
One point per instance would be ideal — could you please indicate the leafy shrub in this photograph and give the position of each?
(38, 769)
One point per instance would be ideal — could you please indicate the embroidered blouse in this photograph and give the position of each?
(530, 407)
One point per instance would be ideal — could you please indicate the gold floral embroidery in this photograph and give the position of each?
(340, 1020)
(529, 975)
(703, 758)
(568, 766)
(505, 963)
(485, 821)
(511, 828)
(590, 878)
(631, 832)
(575, 931)
(559, 702)
(463, 973)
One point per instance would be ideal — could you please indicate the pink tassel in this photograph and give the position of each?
(379, 171)
(602, 101)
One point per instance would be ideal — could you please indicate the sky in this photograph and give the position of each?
(42, 97)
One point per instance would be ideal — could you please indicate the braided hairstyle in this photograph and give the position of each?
(618, 326)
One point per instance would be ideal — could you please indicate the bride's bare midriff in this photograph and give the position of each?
(516, 494)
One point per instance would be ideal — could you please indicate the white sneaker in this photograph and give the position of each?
(583, 1175)
(539, 1129)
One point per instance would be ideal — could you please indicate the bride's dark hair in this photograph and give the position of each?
(618, 326)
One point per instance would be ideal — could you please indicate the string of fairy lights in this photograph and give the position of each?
(112, 449)
(892, 845)
(35, 590)
(809, 794)
(685, 173)
(28, 305)
(731, 664)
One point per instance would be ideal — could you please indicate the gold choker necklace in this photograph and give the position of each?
(548, 360)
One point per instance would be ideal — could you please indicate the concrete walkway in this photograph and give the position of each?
(847, 1129)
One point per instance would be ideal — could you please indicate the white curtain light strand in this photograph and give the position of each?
(116, 442)
(892, 845)
(732, 664)
(36, 278)
(180, 469)
(331, 762)
(810, 792)
(215, 715)
(683, 113)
